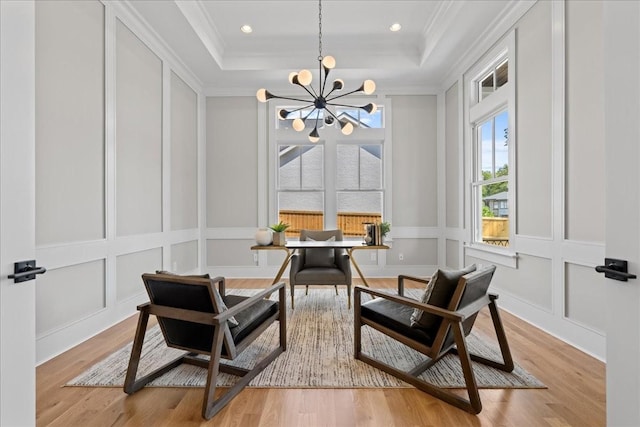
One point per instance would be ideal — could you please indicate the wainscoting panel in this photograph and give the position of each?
(184, 153)
(138, 136)
(530, 282)
(70, 122)
(413, 252)
(230, 252)
(129, 269)
(453, 254)
(583, 296)
(184, 257)
(69, 294)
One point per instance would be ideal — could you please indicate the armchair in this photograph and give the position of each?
(320, 266)
(195, 316)
(435, 327)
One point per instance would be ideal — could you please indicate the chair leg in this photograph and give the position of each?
(336, 286)
(292, 292)
(130, 383)
(507, 364)
(472, 405)
(211, 407)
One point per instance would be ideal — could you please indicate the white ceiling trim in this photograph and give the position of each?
(438, 26)
(202, 24)
(129, 16)
(499, 28)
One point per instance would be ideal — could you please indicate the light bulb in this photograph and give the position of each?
(282, 114)
(369, 87)
(338, 84)
(292, 75)
(370, 108)
(329, 62)
(261, 95)
(347, 128)
(305, 77)
(298, 124)
(313, 136)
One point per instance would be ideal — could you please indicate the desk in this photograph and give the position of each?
(290, 247)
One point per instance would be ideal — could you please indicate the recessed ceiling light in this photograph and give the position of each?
(395, 27)
(246, 29)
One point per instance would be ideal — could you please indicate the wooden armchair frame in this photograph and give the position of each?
(457, 322)
(222, 343)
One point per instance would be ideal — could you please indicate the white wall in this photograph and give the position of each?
(117, 177)
(560, 172)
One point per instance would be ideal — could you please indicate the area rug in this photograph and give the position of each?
(319, 355)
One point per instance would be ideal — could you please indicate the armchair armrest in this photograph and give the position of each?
(342, 261)
(221, 284)
(403, 277)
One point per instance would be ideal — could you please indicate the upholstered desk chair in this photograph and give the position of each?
(320, 266)
(435, 327)
(193, 316)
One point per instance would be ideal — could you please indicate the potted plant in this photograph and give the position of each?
(279, 238)
(385, 227)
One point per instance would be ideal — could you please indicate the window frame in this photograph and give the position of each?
(360, 136)
(477, 110)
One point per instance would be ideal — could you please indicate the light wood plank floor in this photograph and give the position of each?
(575, 394)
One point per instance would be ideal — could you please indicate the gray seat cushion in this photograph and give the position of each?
(250, 318)
(320, 276)
(396, 317)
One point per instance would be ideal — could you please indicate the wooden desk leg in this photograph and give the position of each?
(283, 266)
(355, 264)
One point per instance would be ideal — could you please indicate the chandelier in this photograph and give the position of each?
(323, 97)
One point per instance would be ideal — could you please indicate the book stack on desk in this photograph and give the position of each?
(373, 236)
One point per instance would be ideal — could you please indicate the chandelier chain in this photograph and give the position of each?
(320, 30)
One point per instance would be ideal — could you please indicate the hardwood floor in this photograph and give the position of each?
(575, 394)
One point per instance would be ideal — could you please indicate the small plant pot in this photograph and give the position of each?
(279, 238)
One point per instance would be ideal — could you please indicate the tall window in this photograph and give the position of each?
(491, 107)
(337, 182)
(491, 184)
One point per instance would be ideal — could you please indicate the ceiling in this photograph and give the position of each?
(206, 36)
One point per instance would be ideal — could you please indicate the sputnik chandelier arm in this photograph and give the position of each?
(319, 99)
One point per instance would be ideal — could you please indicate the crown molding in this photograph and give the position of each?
(197, 16)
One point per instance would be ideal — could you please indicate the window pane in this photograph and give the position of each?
(301, 210)
(495, 214)
(502, 74)
(348, 167)
(312, 166)
(373, 121)
(300, 167)
(486, 86)
(356, 208)
(501, 145)
(289, 169)
(485, 134)
(359, 167)
(370, 167)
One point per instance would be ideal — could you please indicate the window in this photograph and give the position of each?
(338, 182)
(491, 144)
(491, 183)
(359, 186)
